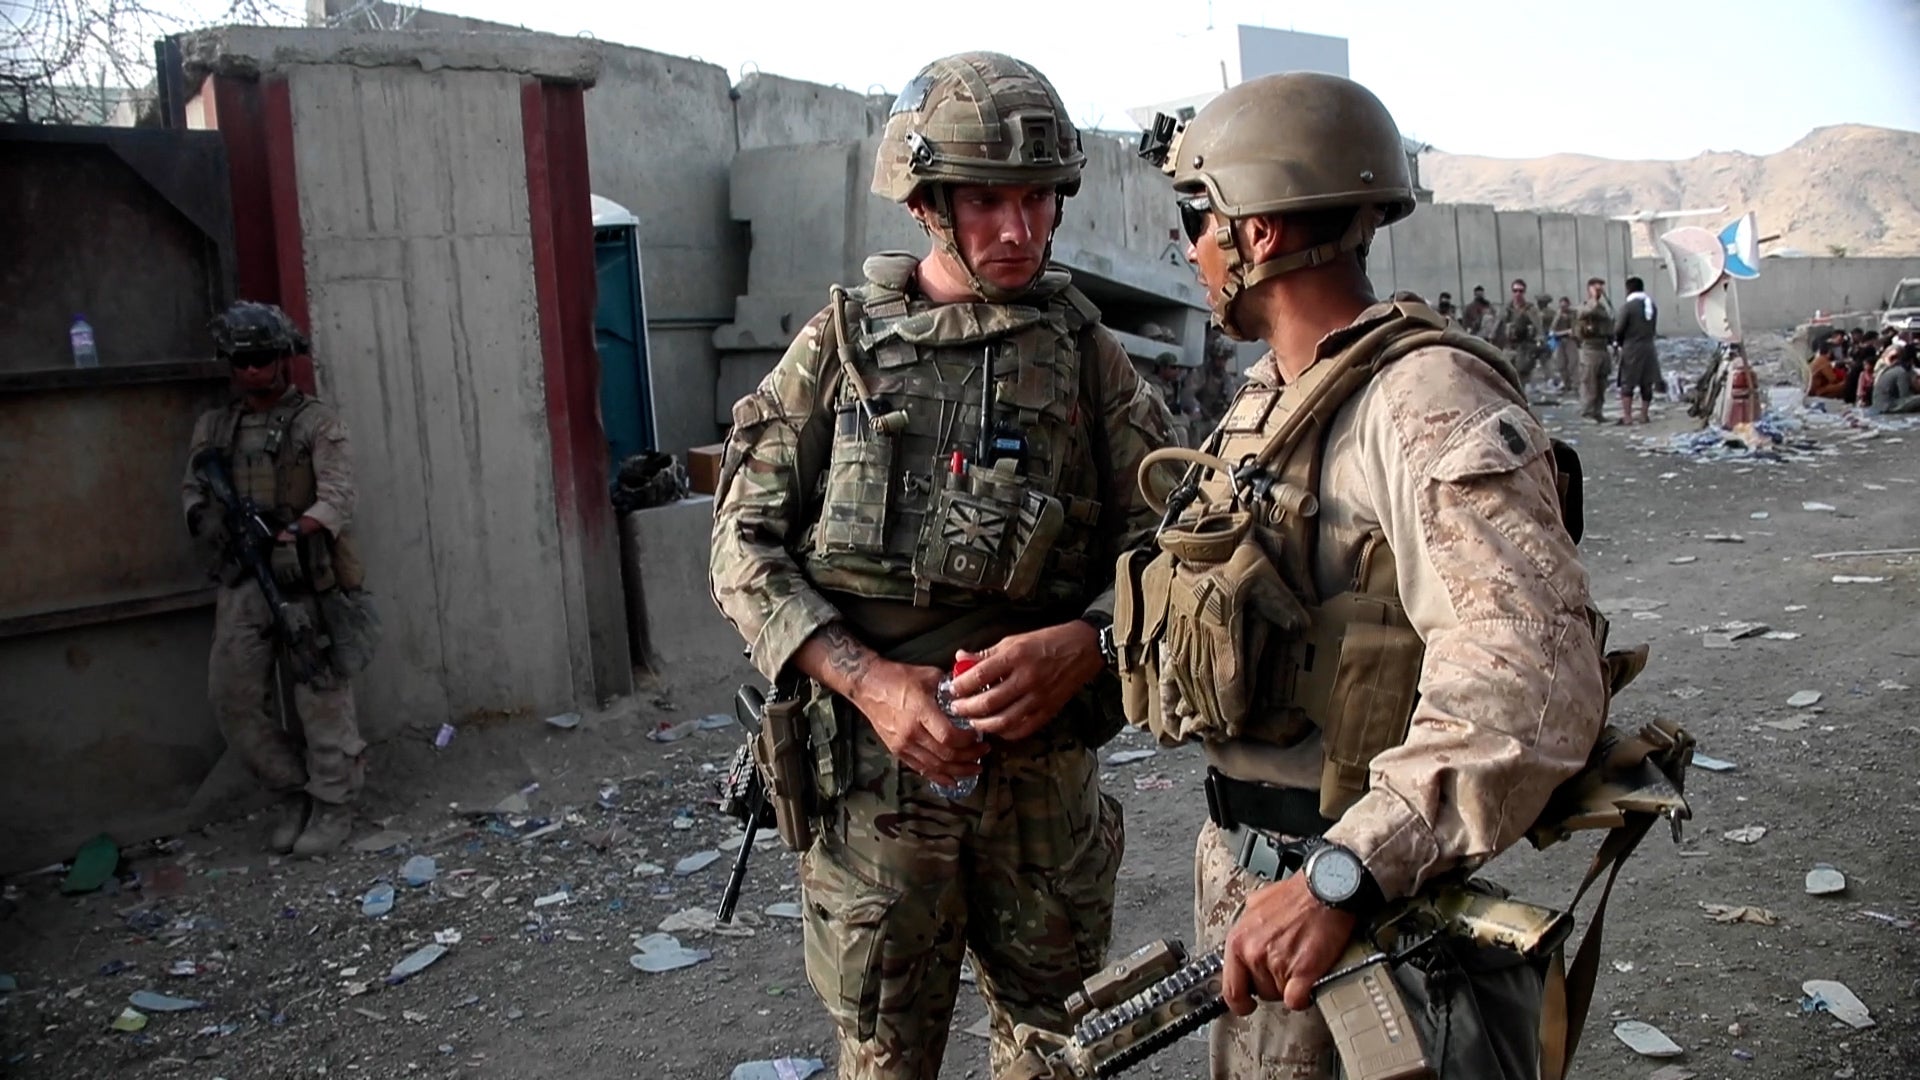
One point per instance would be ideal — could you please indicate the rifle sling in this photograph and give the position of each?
(1569, 989)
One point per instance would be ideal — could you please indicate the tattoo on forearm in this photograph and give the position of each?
(845, 653)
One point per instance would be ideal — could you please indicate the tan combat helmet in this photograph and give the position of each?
(976, 118)
(1285, 144)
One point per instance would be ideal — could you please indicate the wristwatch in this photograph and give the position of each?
(1102, 624)
(1337, 878)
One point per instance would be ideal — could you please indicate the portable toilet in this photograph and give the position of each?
(620, 331)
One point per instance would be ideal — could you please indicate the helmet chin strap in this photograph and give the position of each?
(1242, 275)
(943, 234)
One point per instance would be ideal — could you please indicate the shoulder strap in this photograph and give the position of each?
(1093, 395)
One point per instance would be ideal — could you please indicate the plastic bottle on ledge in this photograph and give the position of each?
(944, 695)
(80, 334)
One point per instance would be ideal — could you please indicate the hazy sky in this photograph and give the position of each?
(1624, 79)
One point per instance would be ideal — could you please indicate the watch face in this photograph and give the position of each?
(1335, 875)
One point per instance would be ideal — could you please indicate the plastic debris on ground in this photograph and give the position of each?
(1804, 698)
(93, 866)
(1128, 757)
(664, 732)
(1646, 1040)
(1782, 635)
(565, 721)
(647, 869)
(981, 1028)
(1688, 693)
(1790, 724)
(695, 863)
(663, 952)
(560, 896)
(699, 920)
(448, 936)
(129, 1020)
(1825, 995)
(778, 1069)
(1894, 921)
(762, 840)
(1817, 507)
(1684, 560)
(1712, 764)
(1153, 782)
(1740, 913)
(153, 1002)
(384, 840)
(378, 901)
(1750, 834)
(1672, 1072)
(444, 736)
(785, 909)
(416, 962)
(1825, 880)
(715, 722)
(1857, 579)
(1889, 684)
(419, 870)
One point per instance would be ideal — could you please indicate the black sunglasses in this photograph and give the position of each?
(1194, 215)
(252, 359)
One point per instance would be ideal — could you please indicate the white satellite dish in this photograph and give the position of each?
(1694, 257)
(1718, 311)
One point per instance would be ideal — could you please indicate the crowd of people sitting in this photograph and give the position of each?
(1871, 371)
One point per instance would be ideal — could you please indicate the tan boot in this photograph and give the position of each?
(290, 817)
(327, 828)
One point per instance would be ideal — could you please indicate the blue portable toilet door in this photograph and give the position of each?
(620, 332)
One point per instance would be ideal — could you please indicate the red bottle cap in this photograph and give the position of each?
(962, 665)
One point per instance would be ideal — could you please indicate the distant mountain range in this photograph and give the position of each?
(1848, 187)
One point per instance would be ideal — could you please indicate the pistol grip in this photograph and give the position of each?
(1371, 1026)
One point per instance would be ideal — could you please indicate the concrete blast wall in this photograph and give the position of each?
(1787, 292)
(1451, 247)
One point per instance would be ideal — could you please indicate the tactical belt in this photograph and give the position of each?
(1254, 815)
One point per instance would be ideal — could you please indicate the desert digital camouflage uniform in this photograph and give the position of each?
(324, 754)
(1438, 520)
(901, 883)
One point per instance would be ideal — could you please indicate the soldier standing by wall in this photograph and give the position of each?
(1561, 332)
(1592, 328)
(1478, 317)
(925, 546)
(1437, 569)
(289, 454)
(1519, 332)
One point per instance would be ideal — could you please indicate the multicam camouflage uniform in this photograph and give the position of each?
(1591, 327)
(1519, 334)
(827, 515)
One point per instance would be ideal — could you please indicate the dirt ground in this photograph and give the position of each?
(292, 974)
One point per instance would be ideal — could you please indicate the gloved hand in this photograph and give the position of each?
(285, 562)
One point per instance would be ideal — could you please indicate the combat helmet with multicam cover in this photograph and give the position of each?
(977, 118)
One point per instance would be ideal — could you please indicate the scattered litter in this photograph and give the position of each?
(514, 805)
(778, 1069)
(444, 736)
(1818, 507)
(1856, 579)
(1889, 684)
(153, 1003)
(1894, 921)
(1742, 630)
(413, 1016)
(695, 863)
(715, 722)
(1794, 607)
(700, 920)
(515, 1012)
(1712, 764)
(1672, 1072)
(1741, 1054)
(419, 870)
(1869, 553)
(1646, 1040)
(378, 901)
(1717, 641)
(1153, 782)
(1782, 635)
(785, 909)
(663, 952)
(115, 967)
(762, 840)
(1790, 724)
(1688, 693)
(93, 866)
(1759, 515)
(1740, 913)
(384, 840)
(664, 732)
(559, 896)
(376, 1017)
(1623, 966)
(1724, 538)
(682, 822)
(566, 721)
(1825, 880)
(1840, 1002)
(983, 1028)
(647, 869)
(418, 961)
(448, 936)
(1683, 560)
(1748, 835)
(1648, 616)
(1804, 698)
(1128, 757)
(129, 1020)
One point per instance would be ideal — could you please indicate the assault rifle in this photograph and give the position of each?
(250, 541)
(1152, 998)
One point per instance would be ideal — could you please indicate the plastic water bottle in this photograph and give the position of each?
(944, 695)
(81, 336)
